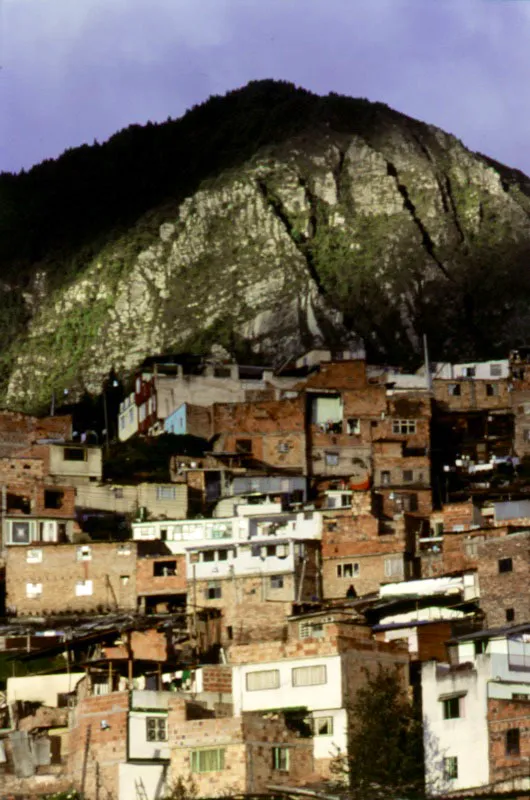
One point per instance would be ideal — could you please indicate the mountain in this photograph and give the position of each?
(263, 221)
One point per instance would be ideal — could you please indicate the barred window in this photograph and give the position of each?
(156, 729)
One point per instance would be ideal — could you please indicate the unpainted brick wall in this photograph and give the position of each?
(500, 591)
(148, 583)
(94, 754)
(60, 570)
(504, 715)
(248, 758)
(19, 430)
(473, 394)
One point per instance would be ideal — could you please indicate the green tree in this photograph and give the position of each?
(385, 755)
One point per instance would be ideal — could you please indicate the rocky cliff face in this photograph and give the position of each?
(358, 222)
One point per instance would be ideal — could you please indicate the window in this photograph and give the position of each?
(481, 646)
(322, 726)
(131, 415)
(264, 679)
(211, 760)
(74, 454)
(311, 630)
(404, 426)
(408, 476)
(332, 459)
(118, 493)
(214, 591)
(513, 742)
(354, 426)
(280, 759)
(453, 390)
(470, 372)
(124, 550)
(124, 580)
(349, 570)
(34, 556)
(492, 389)
(53, 498)
(163, 569)
(451, 707)
(510, 614)
(276, 581)
(271, 550)
(450, 768)
(166, 492)
(283, 447)
(526, 435)
(222, 555)
(505, 565)
(208, 556)
(394, 567)
(83, 553)
(496, 370)
(309, 676)
(408, 502)
(156, 729)
(33, 590)
(244, 446)
(83, 588)
(385, 477)
(20, 533)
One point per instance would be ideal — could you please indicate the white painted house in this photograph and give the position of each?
(316, 683)
(182, 534)
(485, 664)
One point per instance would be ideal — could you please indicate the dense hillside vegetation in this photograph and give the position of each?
(263, 221)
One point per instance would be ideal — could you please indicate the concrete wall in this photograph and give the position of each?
(41, 688)
(466, 737)
(90, 466)
(129, 499)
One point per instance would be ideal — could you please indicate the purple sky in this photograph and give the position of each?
(78, 70)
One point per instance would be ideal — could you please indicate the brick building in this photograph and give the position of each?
(268, 434)
(360, 551)
(255, 583)
(56, 578)
(160, 578)
(139, 741)
(504, 573)
(18, 431)
(342, 409)
(520, 399)
(318, 670)
(243, 754)
(509, 742)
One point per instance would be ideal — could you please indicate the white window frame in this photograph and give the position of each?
(273, 679)
(313, 675)
(404, 427)
(33, 590)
